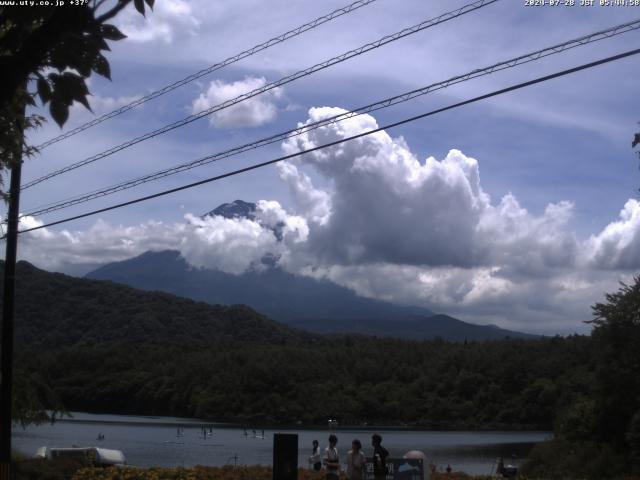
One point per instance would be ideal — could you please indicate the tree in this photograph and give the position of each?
(598, 435)
(48, 52)
(13, 146)
(636, 142)
(34, 400)
(633, 440)
(616, 336)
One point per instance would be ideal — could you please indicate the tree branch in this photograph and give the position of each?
(33, 53)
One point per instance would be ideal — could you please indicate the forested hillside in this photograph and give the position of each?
(57, 311)
(110, 348)
(508, 384)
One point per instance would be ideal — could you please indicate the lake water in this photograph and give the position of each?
(153, 441)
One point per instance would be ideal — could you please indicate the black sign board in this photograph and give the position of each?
(285, 456)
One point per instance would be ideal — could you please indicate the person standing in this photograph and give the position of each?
(355, 461)
(380, 455)
(331, 459)
(314, 459)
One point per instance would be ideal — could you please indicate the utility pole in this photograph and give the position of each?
(6, 360)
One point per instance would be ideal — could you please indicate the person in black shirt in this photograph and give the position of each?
(380, 455)
(315, 459)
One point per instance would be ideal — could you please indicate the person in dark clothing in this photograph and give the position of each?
(315, 460)
(380, 455)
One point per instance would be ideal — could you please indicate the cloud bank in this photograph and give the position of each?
(392, 227)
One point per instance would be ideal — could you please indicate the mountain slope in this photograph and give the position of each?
(303, 302)
(416, 327)
(55, 310)
(275, 293)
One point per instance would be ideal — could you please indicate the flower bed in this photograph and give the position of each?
(195, 473)
(222, 473)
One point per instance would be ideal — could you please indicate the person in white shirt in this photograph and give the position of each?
(355, 461)
(315, 461)
(331, 459)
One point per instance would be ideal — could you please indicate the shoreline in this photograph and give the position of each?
(167, 421)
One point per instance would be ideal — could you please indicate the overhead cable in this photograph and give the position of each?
(513, 62)
(270, 86)
(337, 142)
(216, 66)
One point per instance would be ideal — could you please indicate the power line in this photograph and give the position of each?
(337, 142)
(513, 62)
(216, 66)
(290, 78)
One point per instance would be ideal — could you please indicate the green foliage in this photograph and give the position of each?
(57, 48)
(616, 335)
(34, 401)
(53, 50)
(636, 142)
(110, 348)
(563, 459)
(598, 431)
(633, 441)
(13, 122)
(41, 469)
(578, 421)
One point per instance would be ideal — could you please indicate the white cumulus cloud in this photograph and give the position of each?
(252, 112)
(168, 20)
(618, 245)
(387, 206)
(99, 106)
(231, 245)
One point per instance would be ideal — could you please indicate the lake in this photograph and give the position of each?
(154, 441)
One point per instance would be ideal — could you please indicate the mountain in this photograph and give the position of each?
(235, 209)
(272, 291)
(56, 311)
(302, 302)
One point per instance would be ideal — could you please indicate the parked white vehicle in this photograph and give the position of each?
(95, 455)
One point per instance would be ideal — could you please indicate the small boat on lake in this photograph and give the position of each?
(95, 455)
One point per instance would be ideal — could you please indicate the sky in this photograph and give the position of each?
(521, 210)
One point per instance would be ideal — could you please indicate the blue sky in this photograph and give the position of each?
(484, 243)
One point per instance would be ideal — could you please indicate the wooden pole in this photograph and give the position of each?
(6, 360)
